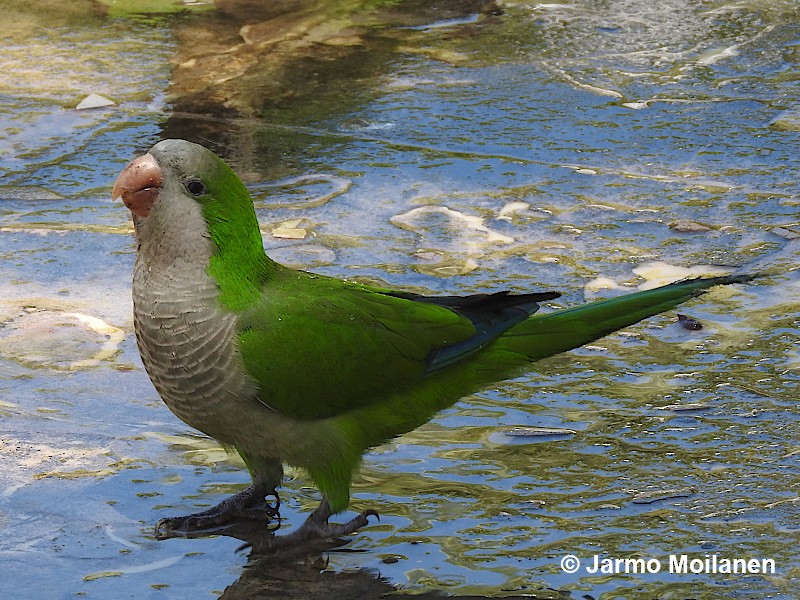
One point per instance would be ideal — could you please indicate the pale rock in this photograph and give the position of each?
(94, 101)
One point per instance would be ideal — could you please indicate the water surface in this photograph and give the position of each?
(593, 150)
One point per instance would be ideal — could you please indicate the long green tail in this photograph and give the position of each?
(545, 335)
(509, 355)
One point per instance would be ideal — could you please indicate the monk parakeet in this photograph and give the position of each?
(289, 367)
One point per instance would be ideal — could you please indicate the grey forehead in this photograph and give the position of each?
(180, 154)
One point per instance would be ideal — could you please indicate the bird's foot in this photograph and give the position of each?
(317, 526)
(314, 531)
(248, 505)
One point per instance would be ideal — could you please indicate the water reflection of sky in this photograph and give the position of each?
(556, 147)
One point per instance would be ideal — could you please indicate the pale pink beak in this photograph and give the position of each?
(139, 184)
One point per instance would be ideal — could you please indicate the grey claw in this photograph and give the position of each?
(371, 513)
(169, 524)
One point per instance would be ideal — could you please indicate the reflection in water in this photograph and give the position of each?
(300, 571)
(290, 63)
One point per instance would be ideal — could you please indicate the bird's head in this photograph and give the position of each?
(180, 192)
(177, 170)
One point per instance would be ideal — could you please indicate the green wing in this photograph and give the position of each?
(319, 346)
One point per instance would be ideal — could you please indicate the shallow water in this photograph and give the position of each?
(557, 146)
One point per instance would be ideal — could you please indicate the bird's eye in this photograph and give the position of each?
(195, 187)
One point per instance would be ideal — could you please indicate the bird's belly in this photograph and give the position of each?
(189, 351)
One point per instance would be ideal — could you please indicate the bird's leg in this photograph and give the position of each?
(317, 526)
(249, 504)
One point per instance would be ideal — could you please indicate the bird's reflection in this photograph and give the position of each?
(285, 568)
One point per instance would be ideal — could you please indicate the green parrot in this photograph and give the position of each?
(289, 367)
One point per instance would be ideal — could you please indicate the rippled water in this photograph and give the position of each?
(588, 149)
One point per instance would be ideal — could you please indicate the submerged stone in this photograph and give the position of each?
(94, 101)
